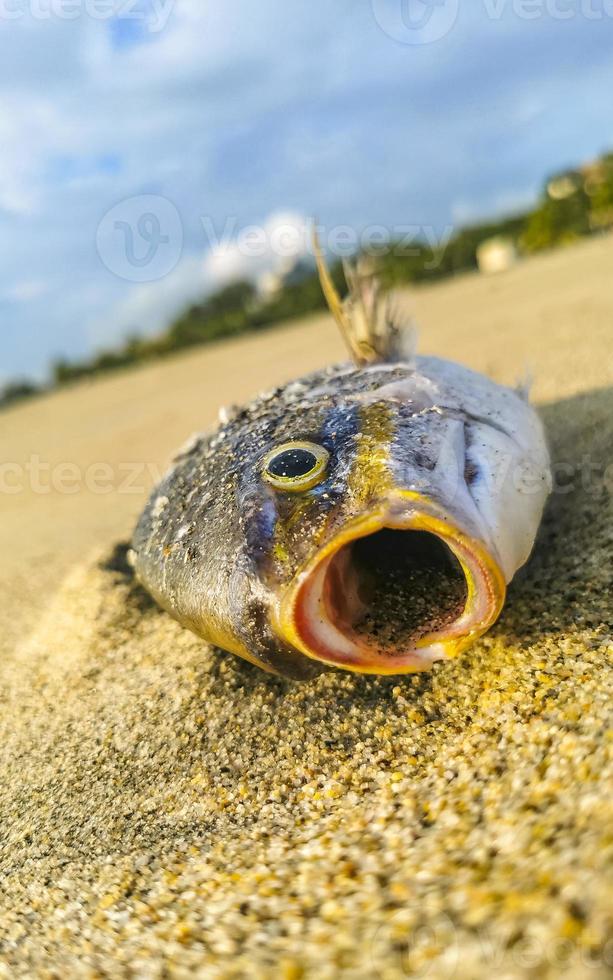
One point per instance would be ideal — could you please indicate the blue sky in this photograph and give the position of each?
(238, 112)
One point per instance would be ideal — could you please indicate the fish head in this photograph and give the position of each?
(359, 518)
(357, 533)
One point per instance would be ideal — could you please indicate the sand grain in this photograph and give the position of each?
(168, 811)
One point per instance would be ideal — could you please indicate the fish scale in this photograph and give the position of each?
(410, 449)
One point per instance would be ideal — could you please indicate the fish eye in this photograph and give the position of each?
(296, 466)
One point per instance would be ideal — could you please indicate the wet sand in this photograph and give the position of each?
(170, 811)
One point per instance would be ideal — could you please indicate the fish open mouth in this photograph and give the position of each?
(392, 593)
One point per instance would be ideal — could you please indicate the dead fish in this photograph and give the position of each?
(365, 517)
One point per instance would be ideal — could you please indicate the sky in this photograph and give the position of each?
(152, 150)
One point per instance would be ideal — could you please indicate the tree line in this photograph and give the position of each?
(572, 205)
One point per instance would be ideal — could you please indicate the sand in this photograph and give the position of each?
(409, 591)
(168, 811)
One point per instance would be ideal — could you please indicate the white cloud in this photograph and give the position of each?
(258, 249)
(25, 290)
(242, 109)
(250, 254)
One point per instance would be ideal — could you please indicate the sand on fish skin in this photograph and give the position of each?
(168, 811)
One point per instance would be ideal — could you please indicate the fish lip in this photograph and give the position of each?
(403, 510)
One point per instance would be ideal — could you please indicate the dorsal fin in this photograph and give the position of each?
(371, 327)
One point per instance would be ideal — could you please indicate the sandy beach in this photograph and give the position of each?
(169, 811)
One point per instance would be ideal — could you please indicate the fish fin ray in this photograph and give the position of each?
(373, 327)
(333, 300)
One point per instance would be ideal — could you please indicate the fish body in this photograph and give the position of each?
(367, 517)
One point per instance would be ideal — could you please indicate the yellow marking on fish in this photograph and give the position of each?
(281, 548)
(280, 552)
(370, 474)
